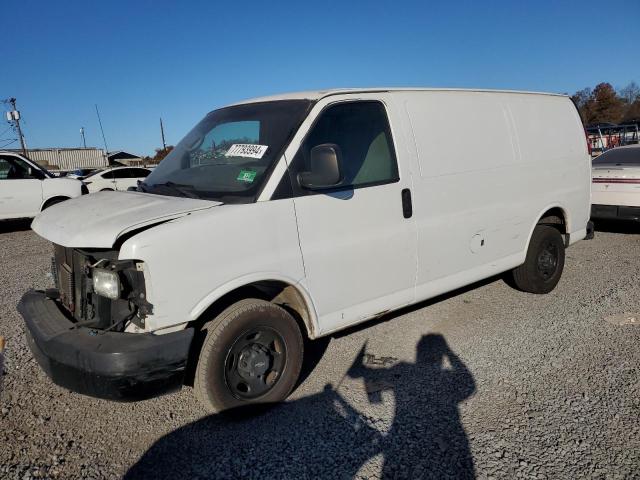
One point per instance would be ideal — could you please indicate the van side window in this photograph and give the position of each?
(362, 132)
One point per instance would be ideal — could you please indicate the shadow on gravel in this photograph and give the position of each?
(324, 436)
(19, 225)
(617, 226)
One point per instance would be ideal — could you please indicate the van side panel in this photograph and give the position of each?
(485, 177)
(193, 260)
(550, 134)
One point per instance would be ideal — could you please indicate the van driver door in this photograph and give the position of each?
(358, 241)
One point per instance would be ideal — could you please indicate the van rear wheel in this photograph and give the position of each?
(542, 268)
(252, 354)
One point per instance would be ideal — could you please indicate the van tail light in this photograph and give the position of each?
(586, 136)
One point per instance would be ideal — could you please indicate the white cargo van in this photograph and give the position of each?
(300, 215)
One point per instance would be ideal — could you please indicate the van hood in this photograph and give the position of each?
(97, 220)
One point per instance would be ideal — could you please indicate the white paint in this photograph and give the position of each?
(113, 178)
(613, 193)
(24, 198)
(97, 220)
(482, 168)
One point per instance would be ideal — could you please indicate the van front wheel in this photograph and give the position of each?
(252, 354)
(542, 268)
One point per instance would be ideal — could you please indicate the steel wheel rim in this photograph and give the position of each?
(548, 260)
(255, 363)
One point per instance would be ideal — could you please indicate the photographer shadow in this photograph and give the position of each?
(324, 436)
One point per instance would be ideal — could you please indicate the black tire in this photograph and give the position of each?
(107, 190)
(239, 365)
(542, 268)
(53, 201)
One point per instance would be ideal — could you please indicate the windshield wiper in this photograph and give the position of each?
(176, 187)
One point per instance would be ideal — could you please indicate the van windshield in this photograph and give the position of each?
(229, 155)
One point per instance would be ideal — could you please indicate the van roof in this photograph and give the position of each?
(319, 94)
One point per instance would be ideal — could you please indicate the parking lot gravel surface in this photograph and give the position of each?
(486, 382)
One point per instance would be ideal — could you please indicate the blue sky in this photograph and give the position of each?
(139, 60)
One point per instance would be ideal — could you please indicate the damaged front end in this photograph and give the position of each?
(88, 334)
(98, 290)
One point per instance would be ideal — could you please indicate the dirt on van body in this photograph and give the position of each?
(487, 382)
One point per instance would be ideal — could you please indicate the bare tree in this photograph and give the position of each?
(630, 93)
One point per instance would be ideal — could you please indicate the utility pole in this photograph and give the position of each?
(164, 145)
(84, 142)
(15, 116)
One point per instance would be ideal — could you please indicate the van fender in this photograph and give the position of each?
(246, 280)
(539, 216)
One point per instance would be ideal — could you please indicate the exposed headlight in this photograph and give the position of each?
(106, 283)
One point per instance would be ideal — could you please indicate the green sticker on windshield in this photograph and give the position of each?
(246, 176)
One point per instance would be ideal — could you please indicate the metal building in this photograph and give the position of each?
(57, 159)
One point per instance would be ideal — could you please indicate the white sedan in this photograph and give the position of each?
(116, 178)
(26, 188)
(615, 192)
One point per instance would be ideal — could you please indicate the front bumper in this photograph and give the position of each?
(615, 212)
(112, 365)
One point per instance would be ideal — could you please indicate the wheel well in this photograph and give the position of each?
(49, 201)
(556, 218)
(278, 292)
(275, 291)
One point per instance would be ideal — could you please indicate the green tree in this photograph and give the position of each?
(581, 99)
(161, 153)
(604, 105)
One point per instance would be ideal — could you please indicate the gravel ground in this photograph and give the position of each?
(487, 382)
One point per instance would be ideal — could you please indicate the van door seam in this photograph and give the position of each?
(295, 215)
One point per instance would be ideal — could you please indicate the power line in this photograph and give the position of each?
(103, 137)
(9, 128)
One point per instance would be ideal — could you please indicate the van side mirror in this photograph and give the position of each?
(326, 168)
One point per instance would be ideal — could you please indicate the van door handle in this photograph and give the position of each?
(407, 207)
